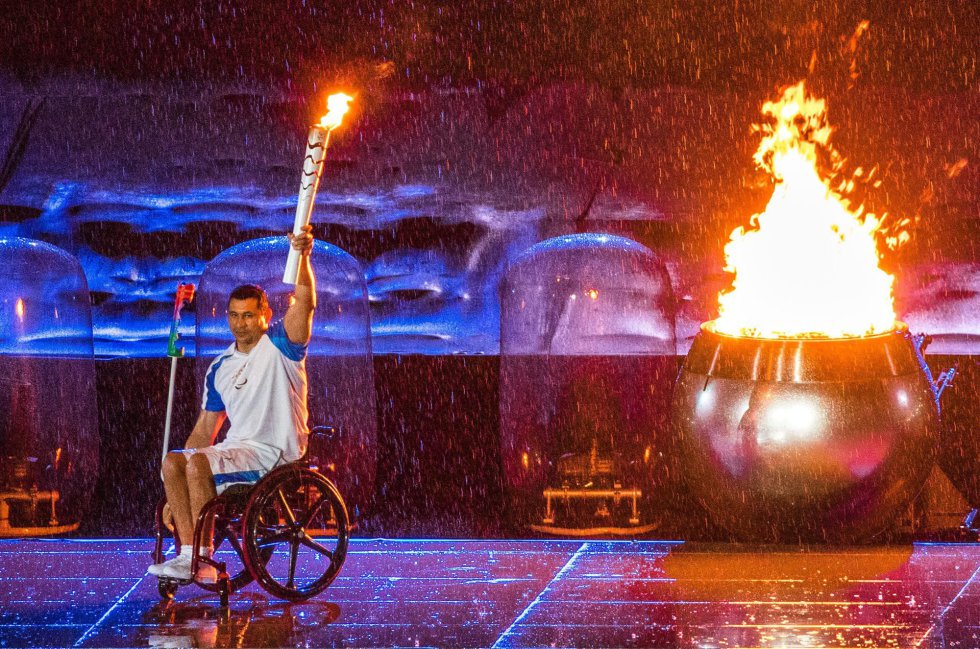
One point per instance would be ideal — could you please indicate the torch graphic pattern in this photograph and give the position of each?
(316, 148)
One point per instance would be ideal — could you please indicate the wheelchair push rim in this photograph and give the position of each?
(298, 516)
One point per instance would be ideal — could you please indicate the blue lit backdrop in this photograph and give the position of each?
(434, 191)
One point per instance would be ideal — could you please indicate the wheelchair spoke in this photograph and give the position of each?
(309, 542)
(266, 527)
(274, 539)
(220, 534)
(314, 510)
(285, 504)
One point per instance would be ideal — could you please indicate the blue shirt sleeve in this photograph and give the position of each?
(292, 351)
(212, 400)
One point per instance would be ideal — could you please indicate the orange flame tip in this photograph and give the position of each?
(809, 264)
(337, 107)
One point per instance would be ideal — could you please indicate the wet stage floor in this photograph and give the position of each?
(64, 593)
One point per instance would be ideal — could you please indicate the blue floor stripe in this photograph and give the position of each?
(561, 573)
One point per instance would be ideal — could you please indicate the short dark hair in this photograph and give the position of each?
(248, 292)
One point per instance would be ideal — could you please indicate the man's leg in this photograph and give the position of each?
(200, 488)
(189, 484)
(178, 498)
(176, 487)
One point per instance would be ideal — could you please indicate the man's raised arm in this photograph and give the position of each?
(299, 318)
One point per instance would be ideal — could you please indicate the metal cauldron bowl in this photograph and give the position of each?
(805, 439)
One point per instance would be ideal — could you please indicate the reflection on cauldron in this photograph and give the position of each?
(252, 621)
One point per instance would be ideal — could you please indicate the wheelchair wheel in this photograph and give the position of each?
(166, 588)
(298, 515)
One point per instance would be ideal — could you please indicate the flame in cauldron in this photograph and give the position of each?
(808, 265)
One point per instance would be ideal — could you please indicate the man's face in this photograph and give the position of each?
(246, 321)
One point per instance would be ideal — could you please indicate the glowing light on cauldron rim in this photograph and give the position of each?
(898, 327)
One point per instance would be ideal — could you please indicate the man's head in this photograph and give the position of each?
(248, 315)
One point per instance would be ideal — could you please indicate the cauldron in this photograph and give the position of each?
(808, 439)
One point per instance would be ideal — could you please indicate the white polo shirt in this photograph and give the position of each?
(263, 393)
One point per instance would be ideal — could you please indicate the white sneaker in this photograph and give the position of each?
(177, 568)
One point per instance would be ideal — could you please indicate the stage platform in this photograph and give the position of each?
(460, 593)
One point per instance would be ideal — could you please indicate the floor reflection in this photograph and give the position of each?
(251, 621)
(449, 593)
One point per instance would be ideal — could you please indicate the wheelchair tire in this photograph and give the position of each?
(297, 516)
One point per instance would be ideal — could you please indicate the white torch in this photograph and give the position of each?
(316, 148)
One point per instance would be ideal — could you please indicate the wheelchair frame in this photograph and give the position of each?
(256, 518)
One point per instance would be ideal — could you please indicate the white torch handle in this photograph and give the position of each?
(316, 149)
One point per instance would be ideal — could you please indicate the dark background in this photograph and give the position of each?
(566, 101)
(747, 44)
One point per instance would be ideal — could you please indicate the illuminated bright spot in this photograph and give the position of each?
(792, 421)
(706, 400)
(19, 308)
(592, 293)
(337, 107)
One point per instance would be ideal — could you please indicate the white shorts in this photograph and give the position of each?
(237, 463)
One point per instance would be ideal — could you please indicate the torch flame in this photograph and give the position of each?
(336, 109)
(19, 309)
(808, 265)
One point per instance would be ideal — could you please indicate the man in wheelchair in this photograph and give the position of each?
(258, 384)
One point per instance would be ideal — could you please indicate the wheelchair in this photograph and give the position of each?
(288, 532)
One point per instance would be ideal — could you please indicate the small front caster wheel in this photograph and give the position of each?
(167, 588)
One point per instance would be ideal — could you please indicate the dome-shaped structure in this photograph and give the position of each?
(587, 358)
(339, 364)
(587, 294)
(49, 437)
